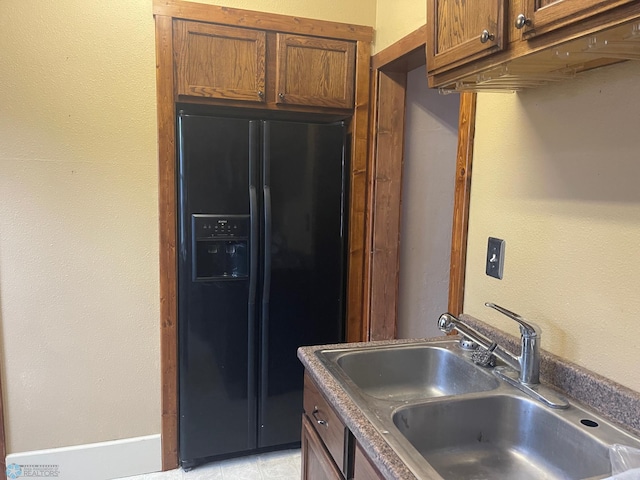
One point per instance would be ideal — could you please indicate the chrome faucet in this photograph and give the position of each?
(529, 359)
(447, 323)
(527, 364)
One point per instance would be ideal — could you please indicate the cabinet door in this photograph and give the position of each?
(220, 62)
(316, 462)
(460, 31)
(315, 71)
(547, 15)
(363, 469)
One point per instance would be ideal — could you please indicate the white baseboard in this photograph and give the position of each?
(94, 461)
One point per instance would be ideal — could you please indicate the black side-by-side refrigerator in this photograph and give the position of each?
(261, 238)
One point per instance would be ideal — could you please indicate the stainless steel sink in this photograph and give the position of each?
(447, 418)
(414, 372)
(503, 436)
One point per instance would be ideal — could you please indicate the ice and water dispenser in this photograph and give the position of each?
(221, 247)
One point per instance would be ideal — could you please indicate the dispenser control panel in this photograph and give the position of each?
(215, 226)
(220, 247)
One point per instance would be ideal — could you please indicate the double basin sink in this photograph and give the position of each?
(446, 417)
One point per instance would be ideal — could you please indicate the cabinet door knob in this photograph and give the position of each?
(260, 93)
(281, 96)
(485, 36)
(521, 21)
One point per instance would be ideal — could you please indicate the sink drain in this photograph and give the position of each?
(588, 423)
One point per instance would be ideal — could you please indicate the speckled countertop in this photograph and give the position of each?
(611, 400)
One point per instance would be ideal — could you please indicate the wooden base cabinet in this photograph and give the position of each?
(317, 463)
(329, 450)
(363, 469)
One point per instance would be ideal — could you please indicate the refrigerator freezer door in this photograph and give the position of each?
(304, 198)
(216, 321)
(216, 156)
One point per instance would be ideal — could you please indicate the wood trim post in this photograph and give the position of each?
(373, 125)
(462, 197)
(356, 310)
(385, 208)
(168, 254)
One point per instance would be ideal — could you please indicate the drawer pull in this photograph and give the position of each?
(319, 421)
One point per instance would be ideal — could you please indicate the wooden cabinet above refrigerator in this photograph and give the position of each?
(271, 68)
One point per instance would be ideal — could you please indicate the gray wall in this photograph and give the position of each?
(431, 134)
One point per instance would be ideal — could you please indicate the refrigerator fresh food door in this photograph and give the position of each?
(302, 228)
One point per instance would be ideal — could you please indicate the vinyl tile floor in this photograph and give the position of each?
(282, 465)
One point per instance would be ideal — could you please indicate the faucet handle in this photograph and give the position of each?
(527, 329)
(446, 322)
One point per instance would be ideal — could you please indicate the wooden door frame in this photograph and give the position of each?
(164, 12)
(388, 104)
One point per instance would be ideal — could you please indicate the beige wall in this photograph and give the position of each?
(397, 18)
(556, 174)
(359, 12)
(78, 216)
(78, 223)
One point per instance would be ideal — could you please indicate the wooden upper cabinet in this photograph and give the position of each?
(219, 62)
(544, 41)
(541, 16)
(231, 63)
(460, 30)
(315, 71)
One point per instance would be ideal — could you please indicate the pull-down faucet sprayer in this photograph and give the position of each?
(527, 364)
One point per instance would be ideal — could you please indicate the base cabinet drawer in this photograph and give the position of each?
(333, 433)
